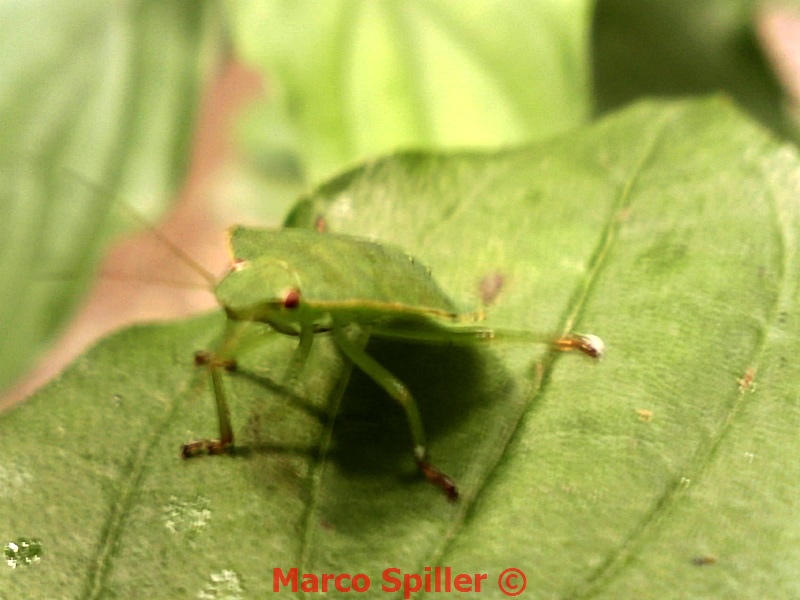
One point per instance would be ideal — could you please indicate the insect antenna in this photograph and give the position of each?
(122, 294)
(209, 278)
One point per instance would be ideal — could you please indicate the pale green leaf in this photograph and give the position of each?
(348, 80)
(667, 470)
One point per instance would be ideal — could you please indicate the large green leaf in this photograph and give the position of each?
(669, 230)
(89, 92)
(349, 79)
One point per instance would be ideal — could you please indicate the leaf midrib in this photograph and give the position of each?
(122, 502)
(574, 308)
(706, 450)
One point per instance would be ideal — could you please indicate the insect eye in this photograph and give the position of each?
(291, 299)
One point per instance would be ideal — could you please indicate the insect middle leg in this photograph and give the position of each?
(400, 393)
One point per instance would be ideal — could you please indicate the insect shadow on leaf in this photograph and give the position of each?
(445, 381)
(449, 383)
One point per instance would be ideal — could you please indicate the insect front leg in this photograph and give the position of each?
(400, 393)
(239, 337)
(215, 368)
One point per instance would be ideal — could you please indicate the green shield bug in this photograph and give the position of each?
(306, 283)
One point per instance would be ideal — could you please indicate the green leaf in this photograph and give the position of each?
(668, 229)
(348, 80)
(89, 92)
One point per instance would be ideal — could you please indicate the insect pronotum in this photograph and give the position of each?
(304, 283)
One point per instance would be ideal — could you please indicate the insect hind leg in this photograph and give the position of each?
(400, 393)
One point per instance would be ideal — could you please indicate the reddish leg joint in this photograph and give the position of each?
(439, 479)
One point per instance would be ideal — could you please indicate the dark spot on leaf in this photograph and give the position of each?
(665, 255)
(490, 287)
(320, 224)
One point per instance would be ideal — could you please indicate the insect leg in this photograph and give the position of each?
(400, 393)
(215, 367)
(589, 344)
(300, 354)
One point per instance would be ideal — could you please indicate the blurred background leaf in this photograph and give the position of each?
(351, 80)
(669, 48)
(97, 102)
